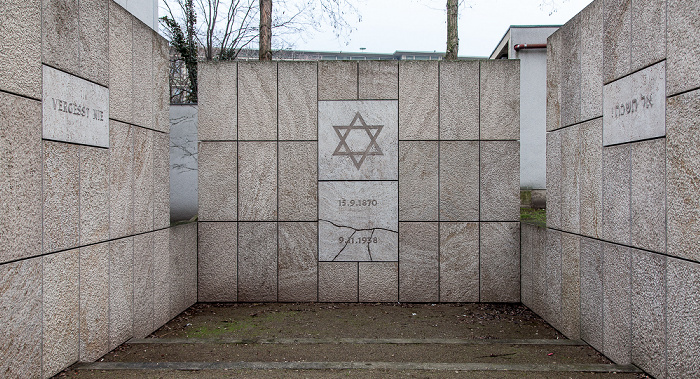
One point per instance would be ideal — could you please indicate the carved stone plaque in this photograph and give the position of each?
(74, 110)
(634, 107)
(358, 221)
(358, 140)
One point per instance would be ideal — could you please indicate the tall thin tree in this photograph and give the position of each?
(452, 34)
(265, 43)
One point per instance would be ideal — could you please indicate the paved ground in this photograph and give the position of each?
(354, 340)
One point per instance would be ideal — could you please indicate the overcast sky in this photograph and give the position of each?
(419, 25)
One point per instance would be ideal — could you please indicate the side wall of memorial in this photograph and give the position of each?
(87, 256)
(359, 181)
(619, 264)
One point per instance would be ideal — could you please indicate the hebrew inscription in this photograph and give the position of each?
(74, 110)
(634, 107)
(358, 140)
(358, 221)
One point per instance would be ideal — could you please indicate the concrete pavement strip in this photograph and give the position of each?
(359, 341)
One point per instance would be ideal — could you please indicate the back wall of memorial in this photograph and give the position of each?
(359, 181)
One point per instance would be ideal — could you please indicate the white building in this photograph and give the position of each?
(529, 44)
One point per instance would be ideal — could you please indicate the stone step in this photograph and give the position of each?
(288, 351)
(432, 366)
(357, 341)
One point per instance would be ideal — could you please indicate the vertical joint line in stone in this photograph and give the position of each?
(318, 176)
(238, 183)
(439, 207)
(398, 182)
(358, 276)
(277, 110)
(358, 98)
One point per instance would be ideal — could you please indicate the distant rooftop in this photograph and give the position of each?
(306, 55)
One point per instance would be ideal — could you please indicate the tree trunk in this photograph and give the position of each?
(452, 35)
(265, 49)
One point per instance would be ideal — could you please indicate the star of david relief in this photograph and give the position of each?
(358, 157)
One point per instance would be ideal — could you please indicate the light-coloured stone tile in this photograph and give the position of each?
(459, 181)
(257, 105)
(379, 80)
(591, 179)
(683, 30)
(459, 262)
(257, 261)
(570, 180)
(418, 179)
(634, 109)
(419, 276)
(74, 110)
(459, 100)
(552, 278)
(60, 37)
(218, 179)
(554, 58)
(554, 179)
(94, 195)
(297, 254)
(500, 181)
(500, 262)
(217, 258)
(121, 291)
(21, 316)
(617, 39)
(143, 99)
(683, 319)
(358, 221)
(539, 265)
(20, 66)
(121, 89)
(591, 20)
(61, 304)
(571, 72)
(217, 84)
(161, 84)
(121, 179)
(616, 303)
(298, 91)
(161, 277)
(649, 312)
(257, 181)
(298, 181)
(161, 180)
(648, 198)
(61, 196)
(337, 281)
(591, 266)
(648, 19)
(337, 80)
(94, 301)
(347, 129)
(183, 267)
(21, 178)
(570, 285)
(143, 179)
(682, 172)
(418, 100)
(616, 193)
(500, 100)
(533, 241)
(379, 282)
(143, 285)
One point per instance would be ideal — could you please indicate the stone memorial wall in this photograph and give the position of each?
(359, 182)
(87, 256)
(618, 264)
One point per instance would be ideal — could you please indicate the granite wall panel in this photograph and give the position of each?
(298, 268)
(257, 261)
(378, 80)
(499, 262)
(218, 181)
(459, 262)
(257, 110)
(337, 80)
(94, 301)
(418, 100)
(20, 66)
(61, 196)
(298, 91)
(217, 259)
(418, 251)
(217, 91)
(337, 282)
(459, 100)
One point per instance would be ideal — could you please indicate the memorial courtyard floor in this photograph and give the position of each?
(303, 340)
